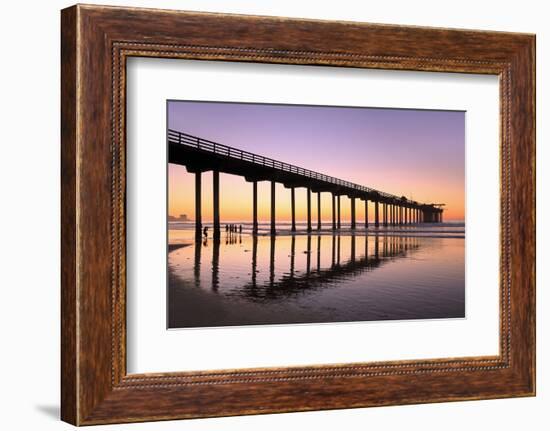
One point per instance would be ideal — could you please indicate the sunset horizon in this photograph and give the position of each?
(384, 149)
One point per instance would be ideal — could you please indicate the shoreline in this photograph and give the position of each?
(183, 242)
(177, 245)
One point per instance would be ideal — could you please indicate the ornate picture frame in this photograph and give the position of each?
(96, 42)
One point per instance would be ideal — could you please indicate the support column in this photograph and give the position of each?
(353, 213)
(376, 220)
(293, 208)
(339, 219)
(441, 217)
(198, 205)
(254, 207)
(318, 210)
(308, 209)
(273, 230)
(366, 214)
(398, 221)
(400, 214)
(216, 202)
(333, 212)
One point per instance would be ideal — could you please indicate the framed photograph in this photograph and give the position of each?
(266, 215)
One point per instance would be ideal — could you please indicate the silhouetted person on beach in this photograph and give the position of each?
(205, 231)
(240, 228)
(227, 228)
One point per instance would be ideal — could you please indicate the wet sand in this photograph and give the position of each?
(242, 280)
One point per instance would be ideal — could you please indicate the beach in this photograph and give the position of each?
(390, 273)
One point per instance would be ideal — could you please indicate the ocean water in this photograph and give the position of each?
(390, 273)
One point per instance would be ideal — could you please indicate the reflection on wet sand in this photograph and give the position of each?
(240, 280)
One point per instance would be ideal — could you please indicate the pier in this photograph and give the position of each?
(200, 155)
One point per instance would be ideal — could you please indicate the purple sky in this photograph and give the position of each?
(416, 153)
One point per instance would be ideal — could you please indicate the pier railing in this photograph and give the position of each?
(206, 145)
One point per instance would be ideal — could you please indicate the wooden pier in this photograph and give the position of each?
(199, 155)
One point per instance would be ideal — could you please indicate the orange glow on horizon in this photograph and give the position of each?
(236, 195)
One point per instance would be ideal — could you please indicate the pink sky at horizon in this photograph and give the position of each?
(414, 153)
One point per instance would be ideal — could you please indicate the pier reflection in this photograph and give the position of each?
(329, 259)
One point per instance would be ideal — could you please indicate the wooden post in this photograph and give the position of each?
(366, 213)
(254, 207)
(376, 220)
(353, 213)
(308, 209)
(333, 212)
(339, 220)
(318, 210)
(293, 207)
(273, 230)
(198, 205)
(216, 202)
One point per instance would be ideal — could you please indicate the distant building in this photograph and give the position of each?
(181, 217)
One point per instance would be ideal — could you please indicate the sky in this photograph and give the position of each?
(419, 154)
